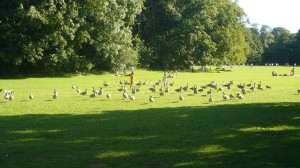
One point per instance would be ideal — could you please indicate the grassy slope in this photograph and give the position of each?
(77, 131)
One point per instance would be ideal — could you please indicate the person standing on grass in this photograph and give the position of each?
(131, 79)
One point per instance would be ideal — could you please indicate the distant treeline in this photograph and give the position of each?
(52, 36)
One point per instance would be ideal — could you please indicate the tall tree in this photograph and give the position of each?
(188, 32)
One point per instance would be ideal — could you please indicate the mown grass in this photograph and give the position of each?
(262, 130)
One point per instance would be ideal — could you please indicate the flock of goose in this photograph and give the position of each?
(164, 89)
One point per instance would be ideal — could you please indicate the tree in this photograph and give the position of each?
(255, 45)
(181, 33)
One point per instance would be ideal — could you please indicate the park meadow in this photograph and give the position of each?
(74, 130)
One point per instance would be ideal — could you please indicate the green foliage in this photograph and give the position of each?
(203, 32)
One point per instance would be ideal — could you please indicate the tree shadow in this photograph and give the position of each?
(247, 135)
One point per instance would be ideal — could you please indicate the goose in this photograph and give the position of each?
(298, 91)
(150, 82)
(11, 96)
(181, 98)
(225, 97)
(145, 83)
(125, 96)
(253, 88)
(95, 91)
(220, 89)
(55, 95)
(132, 97)
(137, 89)
(105, 83)
(210, 98)
(259, 85)
(167, 89)
(268, 87)
(108, 95)
(195, 89)
(172, 84)
(161, 89)
(231, 96)
(6, 96)
(139, 83)
(78, 91)
(121, 82)
(186, 88)
(153, 89)
(240, 96)
(200, 90)
(100, 91)
(121, 89)
(116, 84)
(249, 84)
(85, 92)
(209, 92)
(93, 95)
(73, 87)
(179, 89)
(133, 90)
(151, 99)
(158, 83)
(30, 95)
(162, 93)
(244, 91)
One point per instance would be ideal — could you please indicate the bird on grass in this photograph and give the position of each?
(78, 90)
(132, 97)
(108, 95)
(93, 95)
(30, 95)
(151, 99)
(6, 96)
(240, 96)
(73, 87)
(225, 97)
(100, 91)
(181, 98)
(11, 95)
(298, 91)
(210, 98)
(55, 95)
(268, 87)
(125, 96)
(85, 92)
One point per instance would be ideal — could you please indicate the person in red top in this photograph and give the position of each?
(131, 79)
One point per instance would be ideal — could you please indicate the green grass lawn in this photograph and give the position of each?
(262, 130)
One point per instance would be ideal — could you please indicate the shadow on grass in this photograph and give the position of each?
(262, 135)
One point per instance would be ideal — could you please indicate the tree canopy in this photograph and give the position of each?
(79, 35)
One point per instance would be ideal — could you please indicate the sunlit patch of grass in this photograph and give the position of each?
(27, 131)
(185, 164)
(229, 136)
(296, 118)
(114, 154)
(267, 129)
(138, 138)
(29, 140)
(209, 149)
(83, 140)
